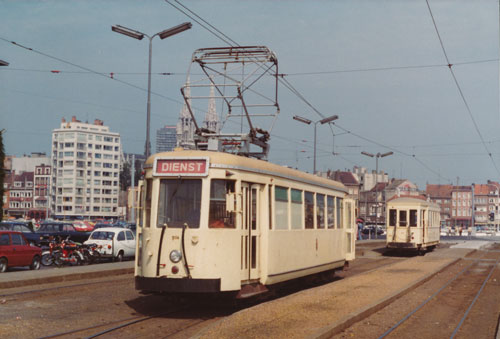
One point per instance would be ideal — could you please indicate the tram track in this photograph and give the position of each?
(451, 304)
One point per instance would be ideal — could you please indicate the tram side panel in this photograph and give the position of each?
(296, 253)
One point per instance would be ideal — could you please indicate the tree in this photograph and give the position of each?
(126, 175)
(2, 171)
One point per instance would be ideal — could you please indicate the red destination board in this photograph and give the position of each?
(185, 167)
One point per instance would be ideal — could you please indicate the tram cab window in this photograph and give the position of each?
(330, 212)
(281, 207)
(413, 218)
(179, 202)
(402, 219)
(296, 209)
(218, 216)
(141, 203)
(147, 202)
(320, 210)
(393, 215)
(309, 210)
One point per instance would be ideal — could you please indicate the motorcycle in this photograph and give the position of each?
(50, 251)
(90, 253)
(69, 254)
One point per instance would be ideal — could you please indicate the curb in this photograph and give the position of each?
(65, 277)
(350, 319)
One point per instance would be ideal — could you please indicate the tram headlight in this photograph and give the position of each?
(175, 256)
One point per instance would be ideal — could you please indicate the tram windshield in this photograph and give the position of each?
(179, 202)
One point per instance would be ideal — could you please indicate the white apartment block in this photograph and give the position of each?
(86, 170)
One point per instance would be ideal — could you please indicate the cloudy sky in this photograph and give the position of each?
(381, 66)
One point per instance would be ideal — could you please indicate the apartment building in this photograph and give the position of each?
(41, 191)
(86, 170)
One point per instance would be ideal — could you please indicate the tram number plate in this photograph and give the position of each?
(184, 167)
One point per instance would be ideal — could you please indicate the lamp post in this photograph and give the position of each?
(308, 122)
(139, 36)
(378, 155)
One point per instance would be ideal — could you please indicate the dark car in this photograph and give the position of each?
(371, 230)
(30, 235)
(16, 251)
(62, 230)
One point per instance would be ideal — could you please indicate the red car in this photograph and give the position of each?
(16, 251)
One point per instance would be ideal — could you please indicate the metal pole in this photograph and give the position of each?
(314, 167)
(147, 150)
(133, 187)
(376, 193)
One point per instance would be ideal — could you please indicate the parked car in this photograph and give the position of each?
(370, 229)
(16, 251)
(62, 230)
(101, 225)
(113, 242)
(30, 235)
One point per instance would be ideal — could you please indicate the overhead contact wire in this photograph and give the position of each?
(460, 89)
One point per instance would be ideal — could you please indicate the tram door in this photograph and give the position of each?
(350, 229)
(250, 231)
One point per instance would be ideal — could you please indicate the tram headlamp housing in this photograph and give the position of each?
(175, 256)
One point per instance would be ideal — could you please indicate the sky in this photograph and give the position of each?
(381, 66)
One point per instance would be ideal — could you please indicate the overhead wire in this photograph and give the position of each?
(289, 86)
(105, 75)
(469, 111)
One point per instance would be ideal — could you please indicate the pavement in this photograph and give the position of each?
(65, 273)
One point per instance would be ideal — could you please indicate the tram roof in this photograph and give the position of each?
(250, 164)
(412, 201)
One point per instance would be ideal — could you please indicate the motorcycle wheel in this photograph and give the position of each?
(57, 260)
(47, 259)
(96, 257)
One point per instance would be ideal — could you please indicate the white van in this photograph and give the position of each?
(113, 242)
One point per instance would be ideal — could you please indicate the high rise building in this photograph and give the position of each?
(166, 139)
(86, 170)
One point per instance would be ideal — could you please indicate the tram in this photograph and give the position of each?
(216, 222)
(413, 224)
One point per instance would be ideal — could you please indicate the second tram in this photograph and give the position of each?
(217, 222)
(413, 223)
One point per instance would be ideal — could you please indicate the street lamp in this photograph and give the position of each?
(378, 155)
(308, 122)
(139, 36)
(4, 63)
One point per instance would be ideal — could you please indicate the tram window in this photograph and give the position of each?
(147, 205)
(141, 196)
(320, 210)
(281, 207)
(393, 215)
(270, 189)
(402, 219)
(340, 212)
(413, 218)
(218, 216)
(179, 203)
(309, 209)
(330, 211)
(348, 214)
(296, 209)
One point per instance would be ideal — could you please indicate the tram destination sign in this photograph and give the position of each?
(191, 167)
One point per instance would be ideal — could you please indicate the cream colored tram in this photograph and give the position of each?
(218, 222)
(413, 223)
